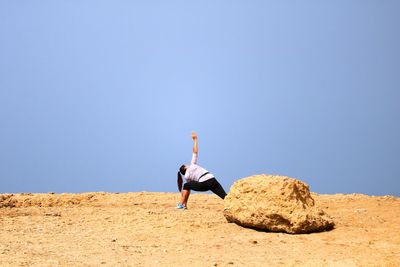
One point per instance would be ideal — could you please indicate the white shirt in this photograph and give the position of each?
(194, 171)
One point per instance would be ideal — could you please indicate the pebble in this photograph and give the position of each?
(360, 210)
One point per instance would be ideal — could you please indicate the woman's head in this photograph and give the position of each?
(182, 169)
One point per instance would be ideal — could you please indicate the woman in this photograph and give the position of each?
(197, 178)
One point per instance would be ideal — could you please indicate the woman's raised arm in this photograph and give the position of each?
(195, 145)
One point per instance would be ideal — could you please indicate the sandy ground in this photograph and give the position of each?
(144, 229)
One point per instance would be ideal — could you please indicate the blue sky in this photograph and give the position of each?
(103, 95)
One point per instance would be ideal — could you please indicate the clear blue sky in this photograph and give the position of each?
(103, 95)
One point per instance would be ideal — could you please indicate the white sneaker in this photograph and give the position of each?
(181, 206)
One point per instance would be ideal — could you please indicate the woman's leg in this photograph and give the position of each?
(218, 189)
(192, 185)
(211, 184)
(185, 196)
(197, 186)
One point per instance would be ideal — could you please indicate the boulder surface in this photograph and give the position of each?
(275, 203)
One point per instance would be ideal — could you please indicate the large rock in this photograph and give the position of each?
(275, 203)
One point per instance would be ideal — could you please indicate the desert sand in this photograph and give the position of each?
(144, 229)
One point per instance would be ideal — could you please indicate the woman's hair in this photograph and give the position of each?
(182, 169)
(179, 181)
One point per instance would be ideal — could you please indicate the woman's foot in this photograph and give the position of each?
(181, 206)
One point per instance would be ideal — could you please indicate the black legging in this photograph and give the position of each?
(210, 184)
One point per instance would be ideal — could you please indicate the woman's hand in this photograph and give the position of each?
(194, 135)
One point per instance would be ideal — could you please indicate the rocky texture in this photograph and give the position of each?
(7, 201)
(275, 203)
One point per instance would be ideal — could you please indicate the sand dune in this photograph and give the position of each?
(144, 229)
